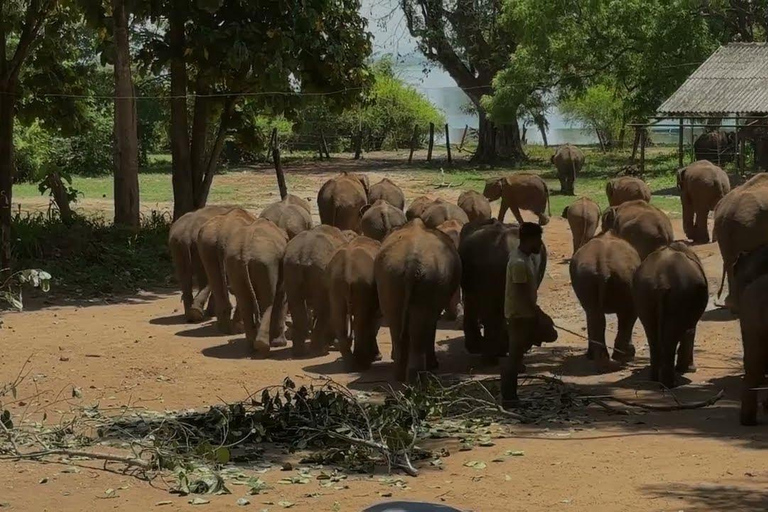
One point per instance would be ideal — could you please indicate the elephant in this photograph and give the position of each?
(601, 274)
(475, 205)
(182, 244)
(670, 292)
(568, 161)
(484, 248)
(702, 185)
(212, 241)
(747, 268)
(340, 199)
(641, 224)
(417, 272)
(452, 228)
(417, 207)
(306, 285)
(753, 320)
(253, 258)
(627, 188)
(440, 211)
(354, 300)
(291, 214)
(380, 219)
(583, 217)
(741, 225)
(388, 191)
(717, 146)
(521, 191)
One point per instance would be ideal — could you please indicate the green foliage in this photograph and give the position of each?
(599, 108)
(91, 258)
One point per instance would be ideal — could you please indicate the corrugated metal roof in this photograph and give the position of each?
(733, 80)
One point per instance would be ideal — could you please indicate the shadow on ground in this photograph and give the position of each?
(712, 497)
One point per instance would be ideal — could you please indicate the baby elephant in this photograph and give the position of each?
(520, 191)
(568, 161)
(670, 294)
(753, 317)
(626, 188)
(583, 217)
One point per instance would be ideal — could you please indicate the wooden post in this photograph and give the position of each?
(414, 138)
(431, 141)
(278, 166)
(680, 142)
(324, 145)
(642, 150)
(693, 141)
(359, 144)
(448, 143)
(463, 136)
(635, 143)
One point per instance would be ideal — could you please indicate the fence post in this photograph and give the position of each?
(448, 143)
(642, 151)
(463, 137)
(359, 144)
(324, 145)
(278, 166)
(414, 138)
(680, 141)
(431, 141)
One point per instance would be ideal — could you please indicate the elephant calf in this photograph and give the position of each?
(339, 200)
(387, 190)
(253, 261)
(291, 214)
(416, 208)
(702, 185)
(641, 224)
(568, 161)
(627, 188)
(440, 211)
(417, 272)
(753, 318)
(670, 293)
(306, 285)
(475, 205)
(380, 219)
(601, 275)
(354, 300)
(583, 217)
(521, 191)
(452, 228)
(182, 244)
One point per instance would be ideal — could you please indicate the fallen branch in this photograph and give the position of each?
(128, 461)
(680, 406)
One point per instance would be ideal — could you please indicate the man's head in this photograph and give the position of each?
(530, 238)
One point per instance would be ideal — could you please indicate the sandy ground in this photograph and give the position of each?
(138, 351)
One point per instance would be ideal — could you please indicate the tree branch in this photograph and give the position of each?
(33, 23)
(218, 145)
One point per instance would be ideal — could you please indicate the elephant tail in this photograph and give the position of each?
(403, 351)
(722, 281)
(660, 305)
(256, 309)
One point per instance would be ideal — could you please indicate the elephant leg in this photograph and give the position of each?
(237, 321)
(563, 183)
(518, 216)
(365, 327)
(339, 319)
(754, 375)
(184, 274)
(731, 301)
(685, 362)
(701, 232)
(503, 209)
(667, 346)
(198, 311)
(400, 343)
(214, 269)
(688, 213)
(473, 339)
(422, 327)
(623, 348)
(300, 316)
(279, 309)
(596, 350)
(452, 311)
(322, 335)
(246, 304)
(265, 279)
(652, 332)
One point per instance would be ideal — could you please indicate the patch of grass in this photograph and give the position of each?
(92, 258)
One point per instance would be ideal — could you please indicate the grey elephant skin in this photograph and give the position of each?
(753, 319)
(417, 272)
(306, 285)
(291, 214)
(568, 161)
(702, 185)
(339, 200)
(601, 275)
(484, 249)
(417, 206)
(717, 146)
(387, 190)
(670, 293)
(626, 188)
(354, 301)
(521, 191)
(641, 224)
(253, 260)
(475, 205)
(741, 225)
(380, 219)
(182, 244)
(583, 216)
(440, 211)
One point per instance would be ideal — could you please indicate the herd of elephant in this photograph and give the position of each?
(372, 261)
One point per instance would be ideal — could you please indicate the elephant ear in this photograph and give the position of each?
(609, 219)
(680, 178)
(364, 209)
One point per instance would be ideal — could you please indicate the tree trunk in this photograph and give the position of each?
(543, 131)
(126, 181)
(500, 142)
(7, 114)
(183, 190)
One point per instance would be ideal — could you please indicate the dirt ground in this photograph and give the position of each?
(138, 351)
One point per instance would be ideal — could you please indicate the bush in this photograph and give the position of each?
(598, 108)
(90, 257)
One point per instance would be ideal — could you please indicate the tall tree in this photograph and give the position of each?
(467, 40)
(225, 52)
(126, 180)
(22, 24)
